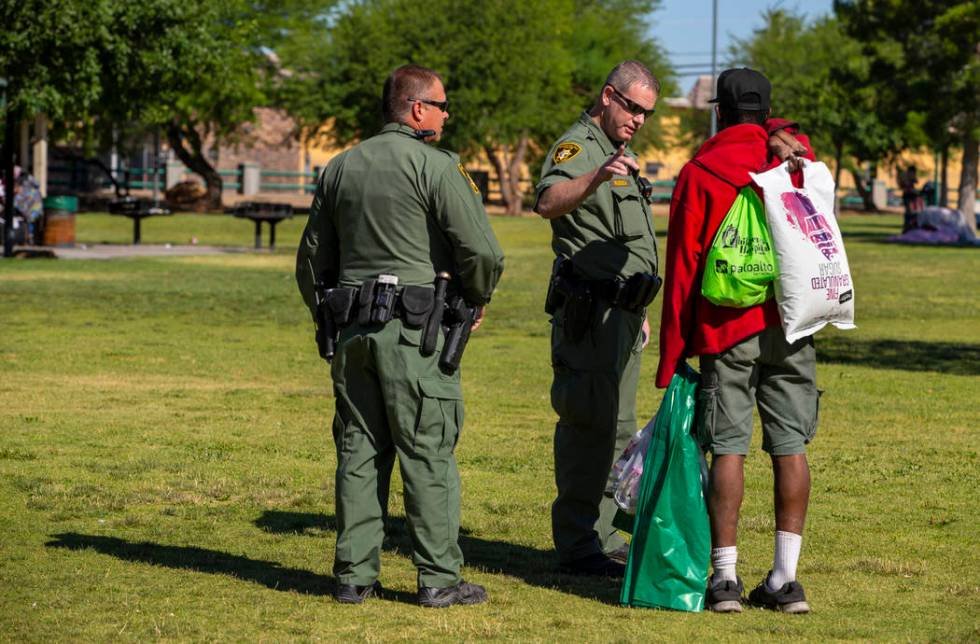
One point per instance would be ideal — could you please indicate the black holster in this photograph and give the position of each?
(333, 313)
(573, 296)
(459, 318)
(554, 299)
(578, 307)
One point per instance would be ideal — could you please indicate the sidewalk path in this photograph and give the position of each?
(115, 251)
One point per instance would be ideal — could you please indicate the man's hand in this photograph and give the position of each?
(479, 319)
(785, 147)
(618, 164)
(646, 333)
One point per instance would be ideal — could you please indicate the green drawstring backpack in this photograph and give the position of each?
(741, 267)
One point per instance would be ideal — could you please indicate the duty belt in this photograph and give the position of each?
(632, 294)
(378, 301)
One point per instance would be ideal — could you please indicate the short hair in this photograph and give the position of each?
(632, 72)
(408, 81)
(729, 116)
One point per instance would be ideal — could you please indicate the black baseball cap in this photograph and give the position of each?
(743, 89)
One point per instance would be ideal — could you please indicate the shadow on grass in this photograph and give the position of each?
(536, 567)
(267, 573)
(908, 355)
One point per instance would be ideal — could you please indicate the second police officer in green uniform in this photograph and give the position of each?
(388, 216)
(604, 277)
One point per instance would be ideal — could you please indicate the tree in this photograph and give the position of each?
(196, 70)
(185, 67)
(924, 57)
(820, 79)
(49, 58)
(516, 73)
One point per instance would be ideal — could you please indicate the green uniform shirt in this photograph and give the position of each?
(611, 233)
(395, 205)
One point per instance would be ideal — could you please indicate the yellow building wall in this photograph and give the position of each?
(673, 158)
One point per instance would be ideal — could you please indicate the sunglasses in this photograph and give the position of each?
(631, 107)
(442, 105)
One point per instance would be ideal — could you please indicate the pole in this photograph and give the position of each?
(156, 167)
(714, 61)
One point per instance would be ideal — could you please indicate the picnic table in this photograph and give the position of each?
(137, 210)
(260, 211)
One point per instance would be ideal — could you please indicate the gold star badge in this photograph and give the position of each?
(565, 151)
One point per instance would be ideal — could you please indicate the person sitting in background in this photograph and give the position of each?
(910, 197)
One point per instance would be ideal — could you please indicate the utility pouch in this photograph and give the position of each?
(364, 300)
(416, 304)
(340, 303)
(640, 290)
(577, 310)
(383, 304)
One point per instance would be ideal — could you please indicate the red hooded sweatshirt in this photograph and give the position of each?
(706, 188)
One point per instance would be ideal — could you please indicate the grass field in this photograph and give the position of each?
(166, 467)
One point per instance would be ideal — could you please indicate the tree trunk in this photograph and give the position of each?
(10, 132)
(838, 166)
(500, 169)
(943, 186)
(180, 137)
(514, 176)
(864, 191)
(967, 201)
(507, 163)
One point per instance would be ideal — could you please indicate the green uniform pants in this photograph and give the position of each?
(594, 395)
(392, 400)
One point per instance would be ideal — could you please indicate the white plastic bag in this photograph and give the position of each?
(628, 469)
(813, 284)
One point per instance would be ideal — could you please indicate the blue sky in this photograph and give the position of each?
(683, 27)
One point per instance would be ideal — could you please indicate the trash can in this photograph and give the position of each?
(59, 220)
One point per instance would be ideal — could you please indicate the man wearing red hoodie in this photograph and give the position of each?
(744, 357)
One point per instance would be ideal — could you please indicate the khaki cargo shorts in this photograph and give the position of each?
(765, 371)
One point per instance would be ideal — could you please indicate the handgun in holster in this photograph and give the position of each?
(325, 330)
(333, 313)
(572, 296)
(458, 318)
(561, 270)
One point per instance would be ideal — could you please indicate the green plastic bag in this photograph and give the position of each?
(668, 559)
(741, 267)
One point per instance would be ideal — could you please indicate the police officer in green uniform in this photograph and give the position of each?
(388, 216)
(605, 275)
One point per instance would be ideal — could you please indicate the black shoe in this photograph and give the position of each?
(620, 554)
(351, 594)
(463, 593)
(594, 565)
(725, 596)
(788, 599)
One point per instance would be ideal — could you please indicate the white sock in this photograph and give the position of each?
(723, 562)
(788, 546)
